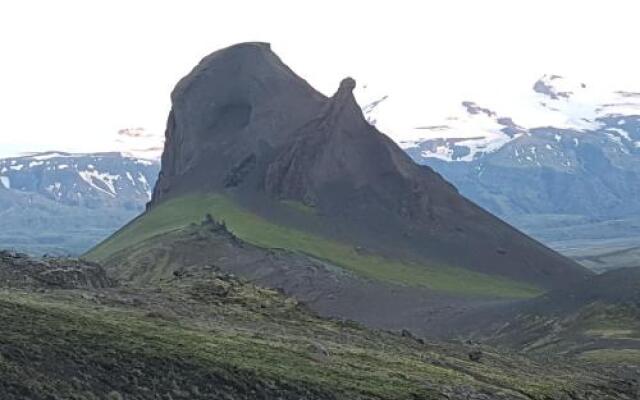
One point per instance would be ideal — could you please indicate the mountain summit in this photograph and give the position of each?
(238, 102)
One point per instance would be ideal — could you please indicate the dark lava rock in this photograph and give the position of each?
(475, 356)
(407, 334)
(21, 271)
(236, 105)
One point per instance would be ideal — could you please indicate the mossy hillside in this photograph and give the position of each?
(612, 356)
(178, 213)
(250, 342)
(610, 321)
(578, 333)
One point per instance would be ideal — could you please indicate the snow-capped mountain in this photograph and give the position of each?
(88, 180)
(466, 137)
(563, 148)
(62, 203)
(554, 102)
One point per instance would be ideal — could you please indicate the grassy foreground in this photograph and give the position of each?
(179, 213)
(242, 342)
(211, 335)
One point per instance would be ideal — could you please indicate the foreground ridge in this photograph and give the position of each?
(203, 333)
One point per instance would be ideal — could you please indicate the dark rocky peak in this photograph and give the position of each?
(341, 100)
(342, 110)
(246, 71)
(236, 102)
(18, 270)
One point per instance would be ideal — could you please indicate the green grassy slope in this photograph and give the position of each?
(246, 343)
(179, 213)
(214, 336)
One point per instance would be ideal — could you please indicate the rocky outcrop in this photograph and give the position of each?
(19, 271)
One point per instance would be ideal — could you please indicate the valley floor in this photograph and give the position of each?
(598, 244)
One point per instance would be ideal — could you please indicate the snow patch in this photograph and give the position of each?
(409, 144)
(615, 138)
(480, 132)
(145, 184)
(441, 152)
(5, 181)
(54, 188)
(557, 102)
(621, 132)
(93, 176)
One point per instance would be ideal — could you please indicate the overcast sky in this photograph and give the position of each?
(72, 73)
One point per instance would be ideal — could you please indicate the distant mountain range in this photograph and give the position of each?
(577, 153)
(568, 157)
(89, 180)
(58, 202)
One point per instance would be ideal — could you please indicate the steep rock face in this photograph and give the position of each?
(239, 102)
(243, 123)
(338, 153)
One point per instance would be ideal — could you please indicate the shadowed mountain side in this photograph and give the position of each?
(327, 288)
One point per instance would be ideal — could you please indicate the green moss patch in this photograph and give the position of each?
(178, 213)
